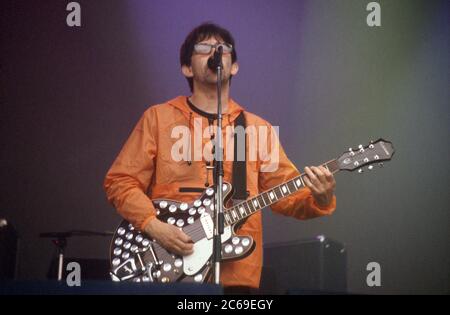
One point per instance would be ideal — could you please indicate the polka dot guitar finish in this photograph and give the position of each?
(134, 256)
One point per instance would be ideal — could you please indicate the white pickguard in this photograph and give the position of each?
(202, 253)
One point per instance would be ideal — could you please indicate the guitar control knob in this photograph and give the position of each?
(238, 250)
(167, 267)
(245, 242)
(178, 263)
(228, 248)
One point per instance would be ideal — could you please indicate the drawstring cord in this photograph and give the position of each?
(190, 142)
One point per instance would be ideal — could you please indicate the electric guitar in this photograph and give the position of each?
(135, 257)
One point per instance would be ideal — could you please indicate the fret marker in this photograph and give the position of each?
(234, 214)
(242, 210)
(272, 196)
(284, 189)
(255, 203)
(227, 217)
(298, 183)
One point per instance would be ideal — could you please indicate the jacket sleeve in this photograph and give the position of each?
(131, 173)
(300, 204)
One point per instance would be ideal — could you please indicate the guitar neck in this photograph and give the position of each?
(246, 208)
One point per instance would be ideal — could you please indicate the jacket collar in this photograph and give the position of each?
(180, 102)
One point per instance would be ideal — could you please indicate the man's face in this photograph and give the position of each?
(200, 71)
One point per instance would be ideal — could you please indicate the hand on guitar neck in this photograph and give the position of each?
(322, 184)
(169, 237)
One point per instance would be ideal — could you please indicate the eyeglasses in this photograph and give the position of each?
(205, 49)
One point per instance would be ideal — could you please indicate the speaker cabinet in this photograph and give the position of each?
(312, 266)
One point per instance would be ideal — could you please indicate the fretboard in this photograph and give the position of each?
(246, 208)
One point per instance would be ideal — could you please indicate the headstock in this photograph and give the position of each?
(375, 152)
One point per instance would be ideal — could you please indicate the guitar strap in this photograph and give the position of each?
(240, 167)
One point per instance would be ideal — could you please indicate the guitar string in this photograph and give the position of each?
(199, 231)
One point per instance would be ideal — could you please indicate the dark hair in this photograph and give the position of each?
(202, 32)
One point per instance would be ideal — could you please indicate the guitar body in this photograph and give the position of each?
(136, 257)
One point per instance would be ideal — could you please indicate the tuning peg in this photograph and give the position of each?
(370, 167)
(360, 171)
(371, 146)
(350, 150)
(361, 148)
(381, 164)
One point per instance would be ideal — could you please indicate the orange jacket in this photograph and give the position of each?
(144, 170)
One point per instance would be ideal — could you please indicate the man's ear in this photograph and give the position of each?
(187, 71)
(234, 68)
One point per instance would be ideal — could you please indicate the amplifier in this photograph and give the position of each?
(317, 265)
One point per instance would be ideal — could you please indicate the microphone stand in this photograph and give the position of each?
(218, 209)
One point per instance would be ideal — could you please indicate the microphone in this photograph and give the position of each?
(216, 60)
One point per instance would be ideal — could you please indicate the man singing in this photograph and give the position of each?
(146, 168)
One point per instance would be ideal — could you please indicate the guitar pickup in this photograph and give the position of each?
(208, 225)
